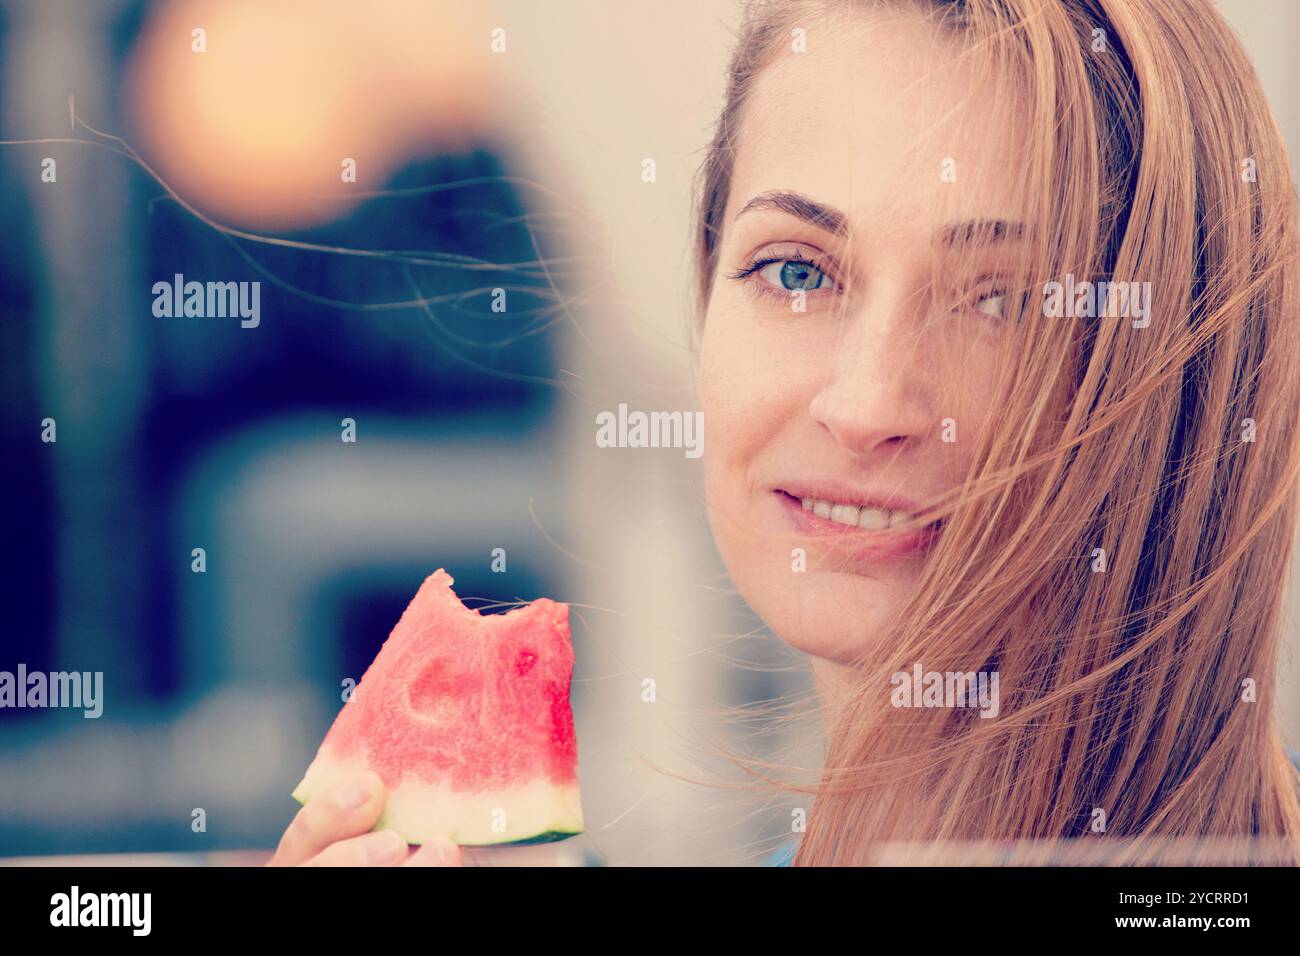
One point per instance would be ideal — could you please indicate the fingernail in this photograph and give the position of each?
(384, 847)
(354, 794)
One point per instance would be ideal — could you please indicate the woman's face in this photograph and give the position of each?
(859, 162)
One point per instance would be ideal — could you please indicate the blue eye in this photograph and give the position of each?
(782, 277)
(794, 275)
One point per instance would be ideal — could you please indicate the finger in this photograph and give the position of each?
(385, 848)
(346, 810)
(437, 852)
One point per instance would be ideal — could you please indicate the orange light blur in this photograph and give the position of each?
(254, 131)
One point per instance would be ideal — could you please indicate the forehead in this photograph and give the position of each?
(883, 118)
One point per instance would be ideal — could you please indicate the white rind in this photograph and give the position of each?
(420, 812)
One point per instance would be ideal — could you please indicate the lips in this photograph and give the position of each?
(855, 525)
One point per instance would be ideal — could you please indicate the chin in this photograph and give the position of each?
(835, 609)
(836, 615)
(830, 614)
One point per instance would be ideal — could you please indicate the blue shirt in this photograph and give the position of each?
(783, 855)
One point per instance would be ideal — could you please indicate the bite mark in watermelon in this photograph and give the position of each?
(466, 718)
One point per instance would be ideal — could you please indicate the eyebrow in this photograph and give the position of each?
(972, 232)
(801, 207)
(981, 232)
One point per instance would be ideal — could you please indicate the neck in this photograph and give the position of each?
(832, 681)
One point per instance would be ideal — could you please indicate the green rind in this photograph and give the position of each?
(547, 836)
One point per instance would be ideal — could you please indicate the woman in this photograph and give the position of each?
(999, 358)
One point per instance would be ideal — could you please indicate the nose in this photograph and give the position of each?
(878, 393)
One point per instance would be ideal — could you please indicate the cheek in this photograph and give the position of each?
(721, 402)
(965, 372)
(746, 391)
(976, 401)
(726, 372)
(743, 397)
(753, 372)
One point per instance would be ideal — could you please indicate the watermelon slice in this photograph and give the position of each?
(466, 719)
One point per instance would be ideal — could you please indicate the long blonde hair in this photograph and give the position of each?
(1147, 692)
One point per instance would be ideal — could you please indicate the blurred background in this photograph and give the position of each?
(387, 172)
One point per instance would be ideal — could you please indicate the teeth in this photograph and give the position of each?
(873, 519)
(844, 514)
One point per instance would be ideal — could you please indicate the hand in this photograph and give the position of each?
(333, 829)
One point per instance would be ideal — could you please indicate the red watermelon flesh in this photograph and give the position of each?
(466, 718)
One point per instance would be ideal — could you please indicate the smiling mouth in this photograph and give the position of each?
(869, 530)
(854, 516)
